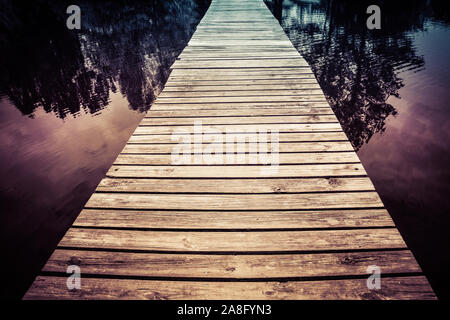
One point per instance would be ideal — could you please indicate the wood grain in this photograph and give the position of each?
(231, 266)
(412, 288)
(276, 185)
(238, 241)
(220, 220)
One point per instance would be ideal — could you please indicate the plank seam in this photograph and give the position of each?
(215, 279)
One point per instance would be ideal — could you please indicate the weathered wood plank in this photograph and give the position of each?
(232, 266)
(235, 202)
(241, 93)
(233, 55)
(241, 36)
(244, 63)
(213, 56)
(250, 112)
(237, 105)
(242, 73)
(250, 220)
(238, 42)
(217, 241)
(393, 288)
(168, 148)
(300, 74)
(283, 158)
(255, 49)
(237, 171)
(235, 128)
(317, 98)
(283, 137)
(174, 84)
(234, 185)
(173, 121)
(300, 87)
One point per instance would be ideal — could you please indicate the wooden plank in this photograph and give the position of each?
(232, 266)
(248, 48)
(316, 98)
(245, 128)
(95, 288)
(246, 87)
(172, 84)
(217, 48)
(238, 43)
(283, 137)
(238, 49)
(206, 54)
(168, 148)
(242, 73)
(173, 121)
(272, 36)
(234, 220)
(238, 34)
(241, 93)
(275, 72)
(232, 55)
(283, 158)
(260, 34)
(244, 63)
(218, 241)
(237, 171)
(239, 77)
(236, 105)
(234, 185)
(247, 112)
(300, 201)
(269, 36)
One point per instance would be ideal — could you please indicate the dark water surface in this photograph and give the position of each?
(69, 100)
(390, 91)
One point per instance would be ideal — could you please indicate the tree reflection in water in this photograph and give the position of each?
(358, 69)
(122, 45)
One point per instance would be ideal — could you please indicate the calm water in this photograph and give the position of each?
(390, 90)
(69, 100)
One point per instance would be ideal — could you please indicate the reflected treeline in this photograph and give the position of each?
(125, 46)
(358, 68)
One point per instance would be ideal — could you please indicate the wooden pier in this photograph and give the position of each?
(158, 230)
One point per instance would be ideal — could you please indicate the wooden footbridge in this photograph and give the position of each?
(309, 230)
